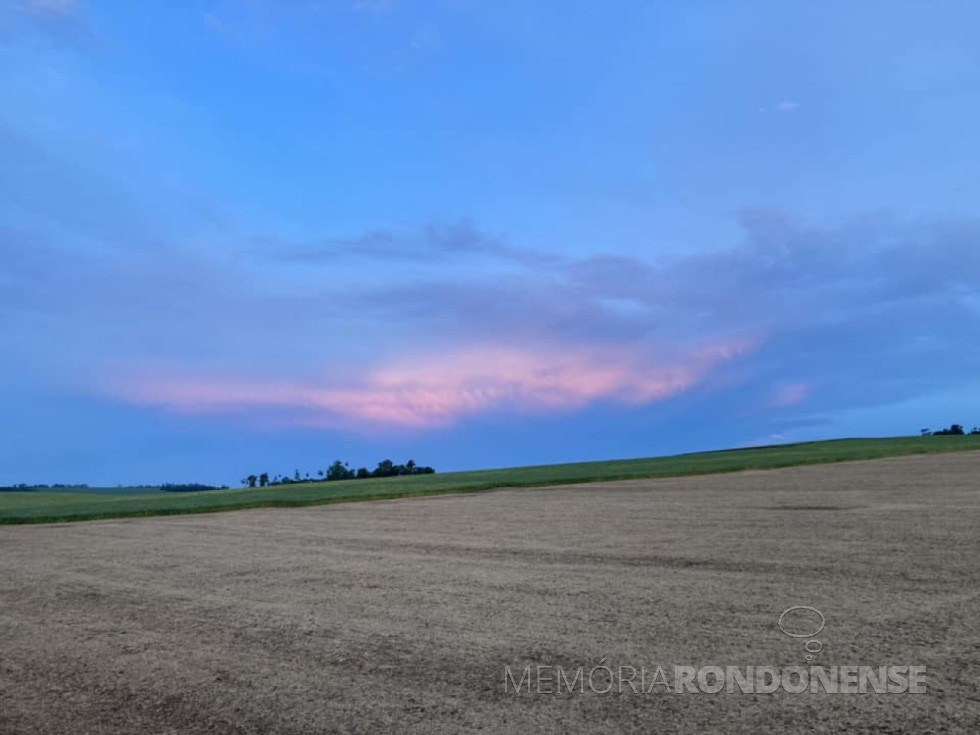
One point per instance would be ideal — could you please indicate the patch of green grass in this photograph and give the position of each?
(52, 506)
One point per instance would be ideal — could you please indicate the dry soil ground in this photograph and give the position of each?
(402, 615)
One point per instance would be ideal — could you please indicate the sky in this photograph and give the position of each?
(245, 236)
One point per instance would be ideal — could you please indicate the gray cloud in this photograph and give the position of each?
(783, 274)
(61, 20)
(435, 241)
(871, 310)
(86, 190)
(51, 9)
(868, 310)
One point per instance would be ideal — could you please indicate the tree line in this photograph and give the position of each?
(189, 487)
(953, 430)
(24, 487)
(339, 471)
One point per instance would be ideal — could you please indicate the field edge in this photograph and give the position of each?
(536, 476)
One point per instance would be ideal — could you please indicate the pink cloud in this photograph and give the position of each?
(439, 389)
(789, 394)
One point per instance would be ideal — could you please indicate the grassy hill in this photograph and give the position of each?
(44, 506)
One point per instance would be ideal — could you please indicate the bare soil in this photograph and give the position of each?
(401, 616)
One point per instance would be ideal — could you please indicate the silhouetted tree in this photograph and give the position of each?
(186, 487)
(954, 430)
(385, 468)
(339, 471)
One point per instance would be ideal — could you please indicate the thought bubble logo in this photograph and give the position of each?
(799, 621)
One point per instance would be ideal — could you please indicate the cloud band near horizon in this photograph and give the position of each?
(437, 390)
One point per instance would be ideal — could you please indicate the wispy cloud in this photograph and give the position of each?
(426, 37)
(869, 308)
(786, 395)
(60, 9)
(437, 389)
(214, 24)
(60, 19)
(786, 106)
(435, 241)
(374, 7)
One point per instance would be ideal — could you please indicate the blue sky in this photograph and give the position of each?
(246, 235)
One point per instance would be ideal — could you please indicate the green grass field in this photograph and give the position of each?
(45, 506)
